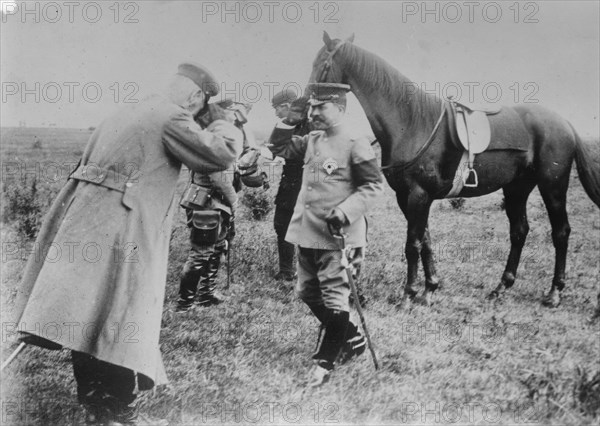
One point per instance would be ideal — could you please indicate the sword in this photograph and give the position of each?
(12, 356)
(229, 248)
(337, 233)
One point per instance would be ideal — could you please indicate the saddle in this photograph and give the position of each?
(474, 133)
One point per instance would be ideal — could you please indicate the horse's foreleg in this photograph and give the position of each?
(416, 211)
(515, 202)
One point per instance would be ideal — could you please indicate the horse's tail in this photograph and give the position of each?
(588, 166)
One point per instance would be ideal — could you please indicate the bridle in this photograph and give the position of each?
(328, 61)
(387, 168)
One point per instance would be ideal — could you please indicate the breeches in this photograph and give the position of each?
(322, 280)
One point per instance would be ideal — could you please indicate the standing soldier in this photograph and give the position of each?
(115, 213)
(210, 201)
(341, 182)
(291, 180)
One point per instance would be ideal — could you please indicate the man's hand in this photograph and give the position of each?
(214, 112)
(298, 111)
(336, 219)
(231, 231)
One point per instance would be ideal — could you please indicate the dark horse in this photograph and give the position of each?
(419, 160)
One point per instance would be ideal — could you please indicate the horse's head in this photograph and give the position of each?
(325, 70)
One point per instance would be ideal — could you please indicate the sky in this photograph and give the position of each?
(72, 63)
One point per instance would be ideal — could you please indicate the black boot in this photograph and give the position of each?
(187, 289)
(336, 325)
(354, 344)
(206, 293)
(287, 270)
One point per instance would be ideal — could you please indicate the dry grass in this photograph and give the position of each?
(464, 360)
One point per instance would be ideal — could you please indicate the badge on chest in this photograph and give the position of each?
(330, 165)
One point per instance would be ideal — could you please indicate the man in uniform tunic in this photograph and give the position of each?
(341, 182)
(199, 275)
(106, 302)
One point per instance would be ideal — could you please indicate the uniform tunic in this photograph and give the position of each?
(339, 172)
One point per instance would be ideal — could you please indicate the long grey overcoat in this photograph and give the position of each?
(95, 282)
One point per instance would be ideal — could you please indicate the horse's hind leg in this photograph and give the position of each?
(554, 194)
(428, 260)
(515, 202)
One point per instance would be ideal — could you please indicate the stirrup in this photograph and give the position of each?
(471, 172)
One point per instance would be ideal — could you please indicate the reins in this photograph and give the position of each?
(423, 149)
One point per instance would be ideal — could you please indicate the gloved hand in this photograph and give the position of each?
(214, 112)
(336, 219)
(298, 111)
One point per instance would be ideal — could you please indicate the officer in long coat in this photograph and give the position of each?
(112, 224)
(290, 183)
(340, 183)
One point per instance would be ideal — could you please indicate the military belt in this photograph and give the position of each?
(103, 177)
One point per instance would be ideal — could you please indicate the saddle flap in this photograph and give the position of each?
(473, 129)
(485, 108)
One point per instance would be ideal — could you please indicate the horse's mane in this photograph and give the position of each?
(380, 77)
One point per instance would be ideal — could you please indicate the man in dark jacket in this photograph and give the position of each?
(291, 182)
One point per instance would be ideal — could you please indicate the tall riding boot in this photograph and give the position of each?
(321, 312)
(336, 326)
(187, 287)
(287, 269)
(206, 293)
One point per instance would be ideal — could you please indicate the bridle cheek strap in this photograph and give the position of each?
(329, 60)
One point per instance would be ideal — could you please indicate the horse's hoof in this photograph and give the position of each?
(405, 304)
(552, 300)
(497, 293)
(424, 299)
(493, 295)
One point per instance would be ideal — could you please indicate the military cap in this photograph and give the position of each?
(284, 97)
(203, 78)
(321, 93)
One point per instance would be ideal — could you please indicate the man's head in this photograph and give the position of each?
(192, 86)
(327, 104)
(281, 102)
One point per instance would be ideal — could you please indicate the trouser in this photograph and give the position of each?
(106, 390)
(202, 266)
(323, 286)
(286, 250)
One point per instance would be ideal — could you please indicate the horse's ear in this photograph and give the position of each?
(327, 40)
(350, 39)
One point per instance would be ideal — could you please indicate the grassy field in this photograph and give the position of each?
(464, 360)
